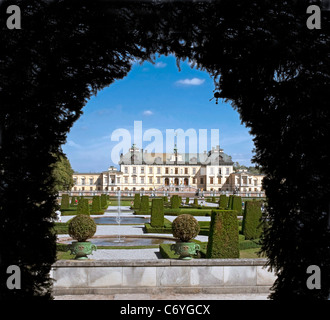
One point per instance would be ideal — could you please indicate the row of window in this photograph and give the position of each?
(173, 171)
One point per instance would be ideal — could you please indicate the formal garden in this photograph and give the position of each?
(218, 227)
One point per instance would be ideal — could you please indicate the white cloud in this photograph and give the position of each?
(190, 82)
(73, 144)
(148, 113)
(160, 65)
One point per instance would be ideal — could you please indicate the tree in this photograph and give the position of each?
(62, 172)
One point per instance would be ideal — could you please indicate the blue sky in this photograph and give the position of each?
(162, 97)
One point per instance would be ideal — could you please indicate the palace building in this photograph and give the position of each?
(140, 170)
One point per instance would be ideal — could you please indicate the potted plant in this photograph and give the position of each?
(185, 227)
(81, 228)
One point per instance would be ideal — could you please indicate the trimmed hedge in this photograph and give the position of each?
(187, 200)
(83, 207)
(195, 202)
(223, 201)
(144, 205)
(252, 225)
(223, 237)
(73, 201)
(96, 205)
(230, 202)
(104, 201)
(157, 213)
(65, 202)
(137, 201)
(175, 202)
(237, 204)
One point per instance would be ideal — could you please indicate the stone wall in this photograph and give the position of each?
(161, 276)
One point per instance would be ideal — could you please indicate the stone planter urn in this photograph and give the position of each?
(185, 227)
(185, 250)
(81, 228)
(81, 249)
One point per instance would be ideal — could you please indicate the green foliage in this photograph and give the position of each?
(157, 213)
(230, 202)
(81, 228)
(96, 205)
(223, 201)
(73, 201)
(104, 201)
(144, 205)
(185, 227)
(65, 203)
(187, 200)
(137, 201)
(223, 237)
(165, 199)
(252, 224)
(237, 204)
(214, 199)
(175, 202)
(195, 204)
(62, 173)
(83, 207)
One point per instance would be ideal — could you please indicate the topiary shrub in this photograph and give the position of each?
(65, 202)
(82, 227)
(157, 213)
(185, 227)
(252, 224)
(175, 202)
(144, 205)
(73, 201)
(96, 205)
(195, 202)
(214, 199)
(187, 200)
(223, 201)
(104, 201)
(223, 240)
(137, 201)
(237, 204)
(230, 202)
(83, 207)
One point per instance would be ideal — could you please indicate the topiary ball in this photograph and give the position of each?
(82, 227)
(185, 227)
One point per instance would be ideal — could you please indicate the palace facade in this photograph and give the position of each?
(142, 171)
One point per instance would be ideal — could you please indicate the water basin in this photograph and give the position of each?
(123, 220)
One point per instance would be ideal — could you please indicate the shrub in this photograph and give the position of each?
(223, 236)
(96, 205)
(137, 201)
(83, 207)
(187, 200)
(185, 227)
(65, 202)
(213, 199)
(82, 227)
(195, 202)
(223, 201)
(165, 199)
(144, 205)
(252, 225)
(175, 202)
(237, 204)
(104, 201)
(73, 202)
(157, 213)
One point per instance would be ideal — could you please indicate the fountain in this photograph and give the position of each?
(118, 219)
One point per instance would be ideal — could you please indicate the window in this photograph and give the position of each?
(181, 171)
(118, 180)
(250, 181)
(185, 170)
(83, 189)
(126, 180)
(126, 169)
(194, 170)
(75, 188)
(91, 188)
(150, 180)
(150, 169)
(166, 170)
(194, 180)
(158, 180)
(75, 180)
(219, 170)
(176, 171)
(90, 180)
(211, 180)
(134, 180)
(142, 179)
(255, 182)
(134, 169)
(202, 181)
(142, 169)
(158, 170)
(219, 180)
(83, 181)
(227, 170)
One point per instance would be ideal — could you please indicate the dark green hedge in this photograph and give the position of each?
(65, 202)
(144, 205)
(137, 201)
(73, 201)
(83, 206)
(96, 205)
(157, 213)
(175, 202)
(252, 225)
(223, 237)
(104, 201)
(237, 204)
(187, 200)
(223, 201)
